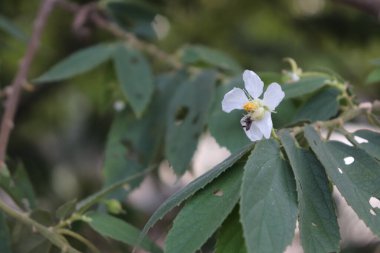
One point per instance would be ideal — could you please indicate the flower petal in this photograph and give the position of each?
(253, 133)
(253, 83)
(265, 125)
(273, 96)
(234, 99)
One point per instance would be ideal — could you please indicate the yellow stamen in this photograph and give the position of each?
(250, 106)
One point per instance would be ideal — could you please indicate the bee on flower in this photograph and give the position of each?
(257, 122)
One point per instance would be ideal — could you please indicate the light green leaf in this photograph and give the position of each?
(77, 63)
(204, 212)
(201, 54)
(370, 142)
(322, 106)
(120, 230)
(317, 220)
(5, 239)
(373, 76)
(230, 237)
(7, 26)
(355, 174)
(268, 205)
(221, 122)
(304, 86)
(135, 77)
(187, 118)
(177, 198)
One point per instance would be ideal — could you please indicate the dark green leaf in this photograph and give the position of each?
(268, 205)
(230, 236)
(187, 118)
(7, 26)
(135, 77)
(304, 86)
(120, 230)
(66, 209)
(370, 142)
(77, 63)
(322, 106)
(221, 122)
(317, 220)
(5, 239)
(204, 212)
(23, 183)
(373, 77)
(177, 198)
(355, 174)
(201, 54)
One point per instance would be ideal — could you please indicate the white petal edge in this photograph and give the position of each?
(265, 125)
(234, 99)
(273, 96)
(253, 83)
(253, 133)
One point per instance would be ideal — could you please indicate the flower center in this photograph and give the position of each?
(251, 106)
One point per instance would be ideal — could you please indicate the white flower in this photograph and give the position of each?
(257, 123)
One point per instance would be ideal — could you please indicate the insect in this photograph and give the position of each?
(246, 122)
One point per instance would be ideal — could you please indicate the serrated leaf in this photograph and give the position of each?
(7, 26)
(373, 77)
(187, 118)
(66, 209)
(304, 86)
(77, 63)
(135, 77)
(134, 143)
(230, 237)
(177, 198)
(204, 212)
(322, 106)
(370, 142)
(318, 224)
(5, 239)
(120, 230)
(355, 174)
(268, 205)
(201, 54)
(220, 122)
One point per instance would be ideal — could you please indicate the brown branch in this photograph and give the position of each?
(371, 7)
(14, 90)
(102, 22)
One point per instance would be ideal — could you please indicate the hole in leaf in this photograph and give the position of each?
(374, 202)
(360, 139)
(340, 170)
(181, 114)
(218, 193)
(313, 224)
(372, 212)
(348, 160)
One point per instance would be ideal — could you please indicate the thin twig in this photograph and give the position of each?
(14, 90)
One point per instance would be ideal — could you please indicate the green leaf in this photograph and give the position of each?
(370, 142)
(212, 57)
(135, 77)
(66, 209)
(134, 143)
(204, 212)
(373, 76)
(221, 122)
(77, 63)
(355, 174)
(322, 106)
(268, 205)
(317, 220)
(187, 118)
(7, 26)
(304, 86)
(230, 237)
(177, 198)
(5, 239)
(120, 230)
